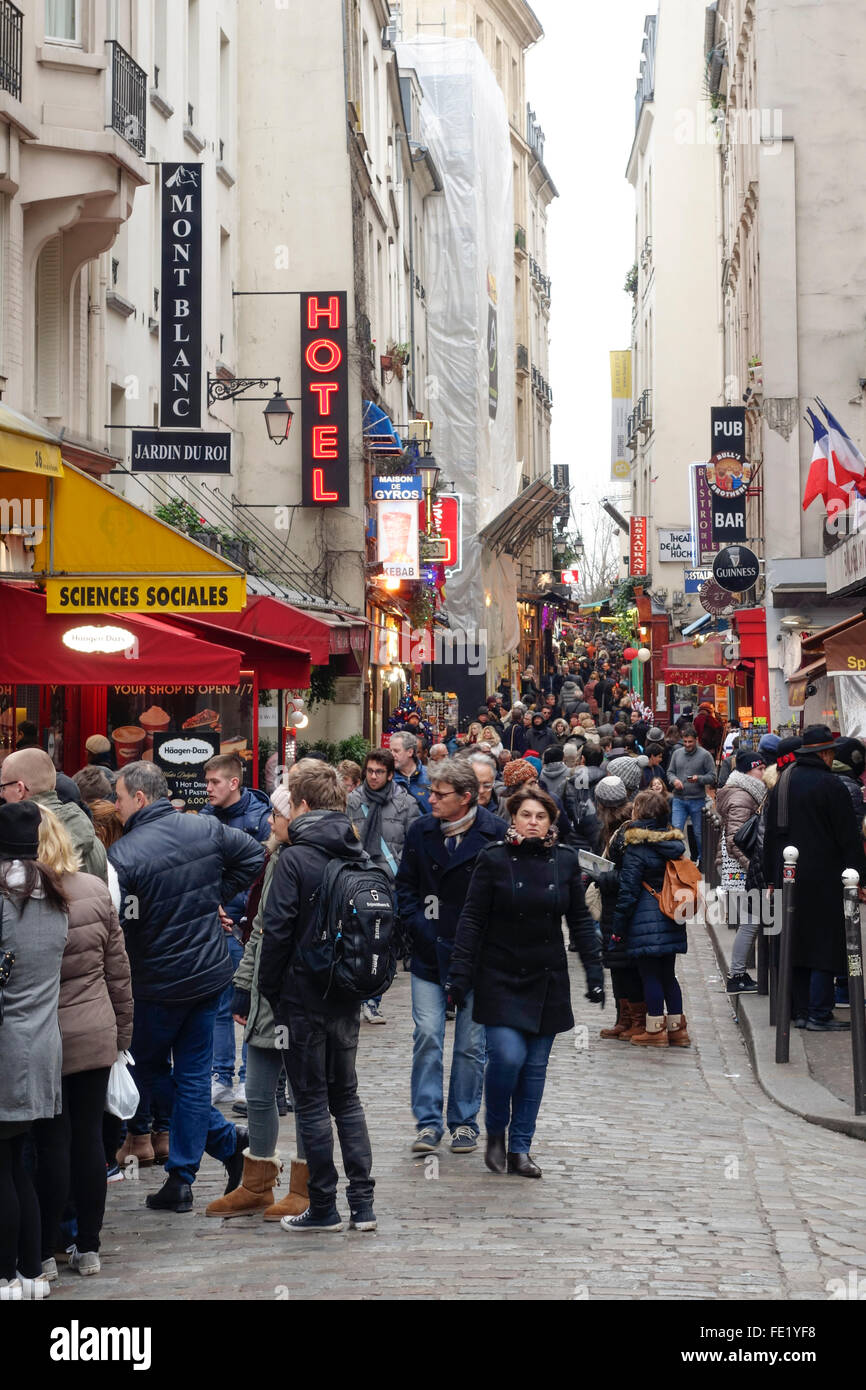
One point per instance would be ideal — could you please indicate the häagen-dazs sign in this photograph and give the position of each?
(676, 545)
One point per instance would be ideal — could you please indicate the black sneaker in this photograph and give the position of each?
(313, 1221)
(174, 1195)
(831, 1025)
(235, 1164)
(799, 1022)
(239, 1108)
(364, 1219)
(741, 984)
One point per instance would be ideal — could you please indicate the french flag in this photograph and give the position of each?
(848, 462)
(822, 480)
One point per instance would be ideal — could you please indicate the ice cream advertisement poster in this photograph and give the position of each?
(397, 530)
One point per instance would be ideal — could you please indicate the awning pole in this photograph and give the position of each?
(51, 526)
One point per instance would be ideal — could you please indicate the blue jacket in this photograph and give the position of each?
(177, 869)
(251, 814)
(638, 919)
(432, 886)
(418, 785)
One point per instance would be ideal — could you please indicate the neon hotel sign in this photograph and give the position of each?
(325, 401)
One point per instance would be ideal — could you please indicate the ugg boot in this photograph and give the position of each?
(623, 1021)
(677, 1035)
(137, 1146)
(655, 1034)
(256, 1190)
(160, 1141)
(637, 1023)
(296, 1203)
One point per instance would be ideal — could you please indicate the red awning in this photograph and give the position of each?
(320, 634)
(32, 651)
(278, 666)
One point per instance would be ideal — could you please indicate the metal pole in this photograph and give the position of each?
(790, 855)
(853, 943)
(773, 974)
(763, 953)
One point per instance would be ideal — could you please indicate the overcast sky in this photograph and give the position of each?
(580, 81)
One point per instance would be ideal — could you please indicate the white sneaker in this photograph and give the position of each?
(240, 1093)
(372, 1013)
(49, 1269)
(219, 1092)
(33, 1288)
(10, 1290)
(84, 1261)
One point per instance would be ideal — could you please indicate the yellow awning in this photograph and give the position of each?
(26, 447)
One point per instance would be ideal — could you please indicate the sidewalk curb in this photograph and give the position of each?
(791, 1084)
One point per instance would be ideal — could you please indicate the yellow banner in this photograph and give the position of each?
(620, 390)
(620, 374)
(182, 593)
(22, 454)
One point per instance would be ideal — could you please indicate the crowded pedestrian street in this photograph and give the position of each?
(669, 1177)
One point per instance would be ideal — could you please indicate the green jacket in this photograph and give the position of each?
(259, 1030)
(79, 828)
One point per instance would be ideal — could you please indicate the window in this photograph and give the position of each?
(159, 47)
(192, 51)
(48, 328)
(120, 23)
(226, 301)
(63, 21)
(225, 98)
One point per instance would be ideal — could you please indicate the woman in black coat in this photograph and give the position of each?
(509, 949)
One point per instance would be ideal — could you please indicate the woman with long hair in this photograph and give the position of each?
(510, 952)
(33, 930)
(490, 740)
(473, 733)
(95, 1012)
(613, 809)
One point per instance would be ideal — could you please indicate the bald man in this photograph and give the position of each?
(438, 753)
(30, 775)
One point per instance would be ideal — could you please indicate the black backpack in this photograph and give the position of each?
(352, 946)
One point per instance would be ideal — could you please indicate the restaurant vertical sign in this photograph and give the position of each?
(180, 336)
(637, 528)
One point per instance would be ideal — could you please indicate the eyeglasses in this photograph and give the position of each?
(4, 785)
(441, 796)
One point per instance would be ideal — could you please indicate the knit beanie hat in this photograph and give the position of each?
(748, 760)
(769, 745)
(628, 771)
(19, 830)
(520, 770)
(280, 801)
(655, 735)
(534, 759)
(98, 743)
(610, 791)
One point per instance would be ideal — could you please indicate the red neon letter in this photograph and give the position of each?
(324, 389)
(319, 493)
(335, 356)
(325, 442)
(316, 312)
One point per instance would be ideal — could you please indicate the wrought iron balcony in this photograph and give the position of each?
(646, 411)
(10, 48)
(128, 98)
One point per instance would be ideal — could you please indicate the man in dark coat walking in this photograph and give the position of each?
(810, 808)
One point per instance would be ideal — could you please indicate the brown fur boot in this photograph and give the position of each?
(296, 1203)
(655, 1034)
(138, 1146)
(255, 1192)
(623, 1021)
(160, 1141)
(677, 1035)
(637, 1014)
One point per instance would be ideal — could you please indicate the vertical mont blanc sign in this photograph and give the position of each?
(324, 400)
(180, 297)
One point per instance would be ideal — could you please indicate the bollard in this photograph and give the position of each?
(854, 948)
(790, 855)
(763, 954)
(773, 974)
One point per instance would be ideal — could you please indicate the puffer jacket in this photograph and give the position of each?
(95, 987)
(79, 828)
(178, 869)
(399, 812)
(251, 814)
(30, 1045)
(638, 920)
(248, 1000)
(736, 802)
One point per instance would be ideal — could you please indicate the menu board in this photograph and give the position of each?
(221, 716)
(182, 758)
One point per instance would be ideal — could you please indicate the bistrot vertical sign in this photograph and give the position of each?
(324, 400)
(180, 296)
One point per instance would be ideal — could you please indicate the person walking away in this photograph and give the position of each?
(321, 1032)
(514, 734)
(614, 810)
(266, 1060)
(736, 802)
(709, 729)
(33, 931)
(95, 1014)
(509, 959)
(432, 884)
(31, 776)
(248, 810)
(381, 811)
(810, 808)
(690, 772)
(652, 940)
(408, 771)
(177, 870)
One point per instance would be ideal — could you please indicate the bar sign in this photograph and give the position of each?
(180, 296)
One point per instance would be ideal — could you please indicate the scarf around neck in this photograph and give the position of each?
(459, 827)
(514, 837)
(376, 798)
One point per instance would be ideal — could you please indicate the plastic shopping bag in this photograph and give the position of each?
(122, 1095)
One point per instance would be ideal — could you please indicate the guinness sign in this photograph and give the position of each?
(736, 569)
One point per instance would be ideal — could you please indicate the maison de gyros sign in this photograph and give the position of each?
(180, 296)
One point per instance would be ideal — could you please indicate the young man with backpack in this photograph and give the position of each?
(327, 944)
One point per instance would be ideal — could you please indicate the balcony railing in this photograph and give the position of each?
(10, 49)
(128, 98)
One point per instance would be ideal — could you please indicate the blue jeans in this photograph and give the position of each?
(263, 1120)
(813, 994)
(685, 806)
(516, 1072)
(467, 1063)
(224, 1028)
(183, 1032)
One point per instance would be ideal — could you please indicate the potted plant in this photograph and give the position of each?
(398, 356)
(631, 281)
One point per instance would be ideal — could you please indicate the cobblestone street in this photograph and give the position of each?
(666, 1176)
